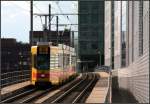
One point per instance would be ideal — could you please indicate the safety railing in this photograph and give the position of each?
(14, 77)
(109, 92)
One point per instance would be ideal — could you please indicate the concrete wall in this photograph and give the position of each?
(117, 34)
(107, 32)
(135, 76)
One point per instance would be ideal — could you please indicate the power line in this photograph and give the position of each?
(62, 11)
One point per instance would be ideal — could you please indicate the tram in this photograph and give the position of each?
(52, 64)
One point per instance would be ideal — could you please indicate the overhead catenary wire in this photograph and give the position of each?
(57, 3)
(54, 8)
(67, 17)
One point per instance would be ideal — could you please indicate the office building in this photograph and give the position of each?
(15, 56)
(109, 34)
(91, 34)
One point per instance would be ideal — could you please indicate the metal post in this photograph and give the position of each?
(100, 58)
(45, 22)
(57, 27)
(63, 57)
(49, 17)
(31, 22)
(49, 22)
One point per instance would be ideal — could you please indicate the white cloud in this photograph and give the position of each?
(5, 4)
(11, 16)
(24, 5)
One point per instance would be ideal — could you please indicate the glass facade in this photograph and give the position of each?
(123, 33)
(112, 34)
(91, 31)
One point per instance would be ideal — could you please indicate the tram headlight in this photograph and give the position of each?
(42, 75)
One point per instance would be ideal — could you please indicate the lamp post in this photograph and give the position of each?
(99, 52)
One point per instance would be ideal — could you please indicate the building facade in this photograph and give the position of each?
(136, 72)
(109, 34)
(131, 47)
(115, 34)
(91, 33)
(62, 37)
(15, 56)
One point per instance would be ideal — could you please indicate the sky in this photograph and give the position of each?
(15, 17)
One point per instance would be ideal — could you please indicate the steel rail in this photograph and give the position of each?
(36, 96)
(7, 95)
(68, 91)
(19, 95)
(88, 86)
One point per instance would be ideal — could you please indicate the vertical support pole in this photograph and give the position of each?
(45, 30)
(57, 28)
(31, 22)
(46, 22)
(49, 23)
(100, 59)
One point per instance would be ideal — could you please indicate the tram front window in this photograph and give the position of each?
(43, 61)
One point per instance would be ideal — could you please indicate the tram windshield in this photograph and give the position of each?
(43, 61)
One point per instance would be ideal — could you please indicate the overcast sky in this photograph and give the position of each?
(15, 17)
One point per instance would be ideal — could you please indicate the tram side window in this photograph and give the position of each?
(60, 61)
(64, 62)
(73, 60)
(68, 58)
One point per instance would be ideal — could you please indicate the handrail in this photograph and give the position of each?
(13, 77)
(108, 96)
(14, 72)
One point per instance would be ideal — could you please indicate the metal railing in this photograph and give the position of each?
(108, 96)
(14, 77)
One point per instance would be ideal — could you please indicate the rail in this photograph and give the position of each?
(14, 77)
(68, 91)
(84, 90)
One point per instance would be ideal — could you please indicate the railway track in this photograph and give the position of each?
(33, 96)
(75, 93)
(28, 94)
(18, 94)
(69, 93)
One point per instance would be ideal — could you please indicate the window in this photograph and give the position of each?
(133, 30)
(83, 45)
(94, 46)
(84, 28)
(60, 61)
(95, 18)
(95, 9)
(141, 28)
(54, 61)
(84, 19)
(84, 8)
(43, 61)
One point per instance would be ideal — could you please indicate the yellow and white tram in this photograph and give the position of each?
(52, 64)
